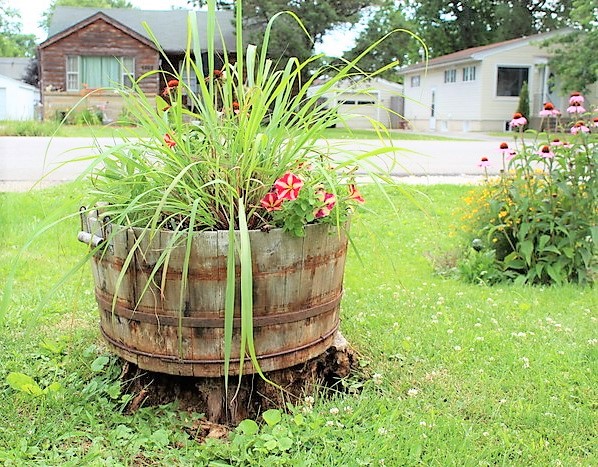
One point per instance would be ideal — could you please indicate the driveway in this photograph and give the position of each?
(27, 162)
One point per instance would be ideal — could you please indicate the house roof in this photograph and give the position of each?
(169, 26)
(14, 67)
(15, 82)
(478, 53)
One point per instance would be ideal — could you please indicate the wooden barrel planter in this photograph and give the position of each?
(297, 289)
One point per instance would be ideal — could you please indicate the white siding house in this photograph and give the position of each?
(477, 89)
(18, 100)
(366, 100)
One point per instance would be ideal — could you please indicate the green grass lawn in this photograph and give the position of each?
(52, 128)
(451, 373)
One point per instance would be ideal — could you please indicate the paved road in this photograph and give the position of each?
(40, 161)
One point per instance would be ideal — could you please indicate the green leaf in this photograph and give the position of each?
(272, 416)
(285, 443)
(99, 363)
(248, 427)
(24, 383)
(54, 387)
(160, 438)
(544, 239)
(527, 247)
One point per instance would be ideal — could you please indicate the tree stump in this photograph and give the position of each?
(248, 399)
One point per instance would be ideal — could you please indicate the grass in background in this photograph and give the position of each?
(53, 128)
(452, 373)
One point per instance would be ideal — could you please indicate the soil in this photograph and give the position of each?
(248, 399)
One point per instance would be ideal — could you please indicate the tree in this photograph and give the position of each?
(12, 42)
(574, 55)
(47, 15)
(449, 26)
(401, 47)
(287, 38)
(523, 104)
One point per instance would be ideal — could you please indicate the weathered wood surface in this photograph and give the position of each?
(297, 292)
(255, 395)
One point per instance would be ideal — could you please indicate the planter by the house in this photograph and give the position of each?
(297, 288)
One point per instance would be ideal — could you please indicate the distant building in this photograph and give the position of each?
(89, 49)
(477, 89)
(18, 100)
(367, 100)
(14, 67)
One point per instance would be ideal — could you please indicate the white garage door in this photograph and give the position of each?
(2, 103)
(362, 105)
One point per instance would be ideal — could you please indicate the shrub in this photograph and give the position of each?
(537, 220)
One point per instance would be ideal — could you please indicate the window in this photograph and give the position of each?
(98, 71)
(72, 73)
(510, 79)
(450, 76)
(415, 81)
(469, 73)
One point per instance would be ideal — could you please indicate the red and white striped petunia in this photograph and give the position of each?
(288, 186)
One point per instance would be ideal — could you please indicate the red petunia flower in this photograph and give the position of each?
(169, 141)
(355, 195)
(173, 83)
(329, 201)
(271, 202)
(288, 186)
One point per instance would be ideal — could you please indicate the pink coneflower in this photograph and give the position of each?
(518, 120)
(556, 142)
(576, 108)
(545, 152)
(580, 127)
(484, 162)
(506, 151)
(549, 110)
(576, 98)
(595, 121)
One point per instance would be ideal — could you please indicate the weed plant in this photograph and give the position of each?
(451, 373)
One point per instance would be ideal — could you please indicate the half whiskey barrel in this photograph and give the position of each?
(297, 289)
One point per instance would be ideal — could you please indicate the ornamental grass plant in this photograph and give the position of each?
(234, 144)
(536, 223)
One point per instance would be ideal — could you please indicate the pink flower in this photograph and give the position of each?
(545, 152)
(171, 143)
(506, 152)
(576, 98)
(576, 108)
(518, 120)
(549, 110)
(484, 162)
(288, 186)
(329, 201)
(355, 195)
(579, 127)
(271, 202)
(595, 121)
(556, 142)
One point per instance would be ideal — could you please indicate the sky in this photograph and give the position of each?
(31, 14)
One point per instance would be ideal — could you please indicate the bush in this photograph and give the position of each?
(536, 222)
(28, 128)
